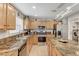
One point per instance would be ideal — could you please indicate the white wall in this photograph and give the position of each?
(67, 26)
(63, 27)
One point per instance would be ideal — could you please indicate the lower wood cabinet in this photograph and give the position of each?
(9, 53)
(52, 50)
(22, 50)
(30, 42)
(55, 52)
(28, 46)
(35, 39)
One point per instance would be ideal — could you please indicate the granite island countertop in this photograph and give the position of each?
(70, 48)
(13, 44)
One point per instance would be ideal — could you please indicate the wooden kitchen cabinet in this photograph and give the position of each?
(52, 50)
(28, 46)
(55, 52)
(35, 40)
(34, 24)
(9, 53)
(49, 45)
(2, 16)
(49, 24)
(22, 52)
(26, 23)
(11, 17)
(7, 17)
(30, 42)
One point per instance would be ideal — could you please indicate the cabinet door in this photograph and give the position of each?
(49, 24)
(29, 24)
(55, 52)
(26, 23)
(28, 46)
(35, 40)
(23, 52)
(2, 16)
(33, 25)
(11, 17)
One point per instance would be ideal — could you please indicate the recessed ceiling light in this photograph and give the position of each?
(35, 15)
(34, 7)
(69, 7)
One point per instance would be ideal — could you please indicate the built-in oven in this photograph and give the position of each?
(41, 39)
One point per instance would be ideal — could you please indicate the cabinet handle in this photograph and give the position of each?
(5, 25)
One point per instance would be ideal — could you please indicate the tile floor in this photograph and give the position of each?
(39, 50)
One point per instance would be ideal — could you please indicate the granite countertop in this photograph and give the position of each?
(2, 36)
(67, 49)
(13, 45)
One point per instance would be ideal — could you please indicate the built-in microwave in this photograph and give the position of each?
(41, 27)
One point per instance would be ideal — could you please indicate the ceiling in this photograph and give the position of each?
(45, 10)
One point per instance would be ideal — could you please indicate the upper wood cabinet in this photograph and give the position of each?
(2, 16)
(49, 25)
(7, 17)
(11, 17)
(26, 23)
(35, 24)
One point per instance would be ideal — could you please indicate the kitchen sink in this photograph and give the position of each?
(22, 37)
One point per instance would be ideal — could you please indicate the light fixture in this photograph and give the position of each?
(67, 12)
(34, 7)
(59, 14)
(69, 7)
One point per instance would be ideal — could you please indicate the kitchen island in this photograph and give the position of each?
(13, 46)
